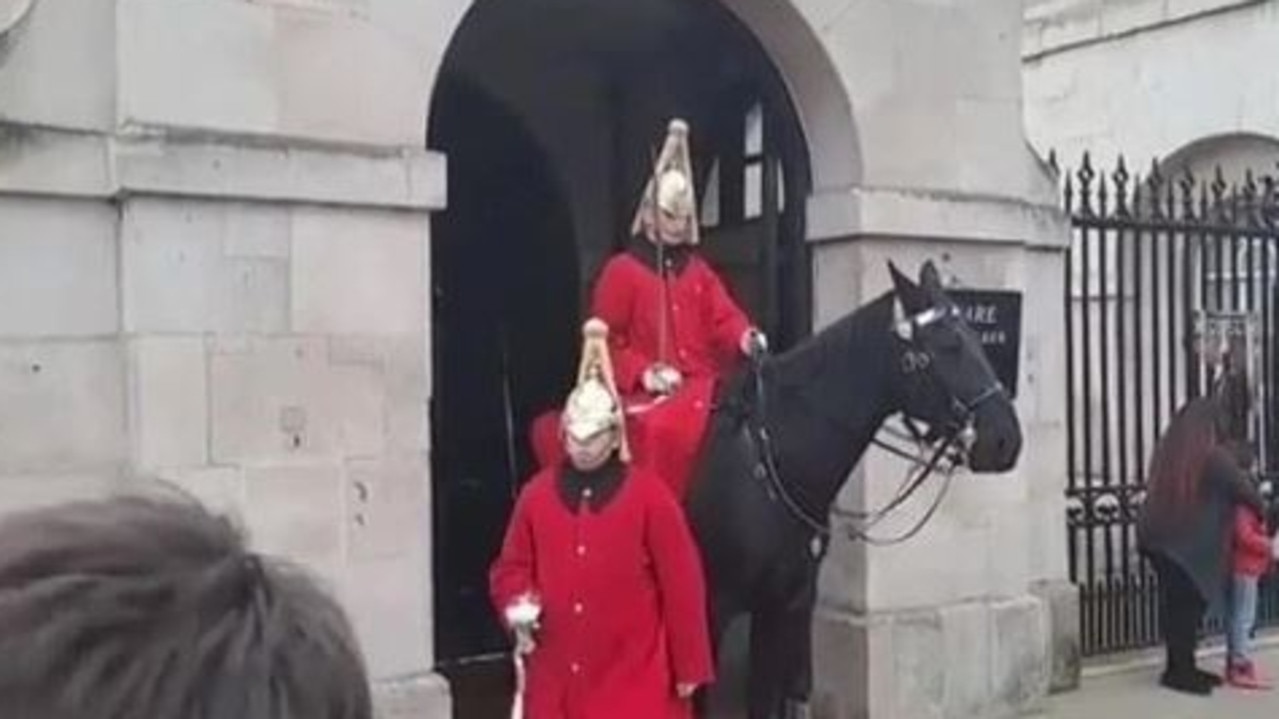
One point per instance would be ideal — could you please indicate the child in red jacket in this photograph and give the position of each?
(1250, 558)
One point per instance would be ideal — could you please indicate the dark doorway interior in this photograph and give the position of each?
(504, 311)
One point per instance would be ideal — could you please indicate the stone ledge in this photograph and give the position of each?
(45, 161)
(972, 660)
(1062, 601)
(424, 696)
(888, 212)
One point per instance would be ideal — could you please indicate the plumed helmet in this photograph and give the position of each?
(670, 187)
(594, 405)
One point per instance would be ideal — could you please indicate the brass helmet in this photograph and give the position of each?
(670, 187)
(595, 405)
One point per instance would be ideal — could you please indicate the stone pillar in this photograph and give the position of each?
(974, 616)
(968, 618)
(215, 272)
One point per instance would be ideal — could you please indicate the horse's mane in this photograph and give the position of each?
(859, 330)
(856, 333)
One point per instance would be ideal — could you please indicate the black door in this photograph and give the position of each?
(504, 310)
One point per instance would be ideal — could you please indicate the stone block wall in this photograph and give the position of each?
(214, 273)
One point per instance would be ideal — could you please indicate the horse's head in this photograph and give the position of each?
(944, 378)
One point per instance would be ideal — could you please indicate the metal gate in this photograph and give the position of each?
(1160, 272)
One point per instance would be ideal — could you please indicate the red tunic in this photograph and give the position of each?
(624, 613)
(705, 327)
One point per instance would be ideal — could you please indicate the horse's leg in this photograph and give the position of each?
(766, 696)
(796, 647)
(721, 614)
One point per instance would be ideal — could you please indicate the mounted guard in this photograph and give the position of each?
(675, 330)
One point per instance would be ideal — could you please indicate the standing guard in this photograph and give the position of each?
(598, 577)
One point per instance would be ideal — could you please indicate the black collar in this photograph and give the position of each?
(595, 488)
(645, 251)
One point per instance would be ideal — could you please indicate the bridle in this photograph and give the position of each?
(930, 451)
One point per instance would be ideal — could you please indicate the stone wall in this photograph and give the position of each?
(214, 233)
(214, 246)
(1150, 87)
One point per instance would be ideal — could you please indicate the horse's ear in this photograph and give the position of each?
(912, 298)
(930, 278)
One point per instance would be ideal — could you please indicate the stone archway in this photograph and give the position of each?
(1235, 154)
(792, 34)
(591, 85)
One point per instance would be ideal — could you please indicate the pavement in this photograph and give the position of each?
(1129, 689)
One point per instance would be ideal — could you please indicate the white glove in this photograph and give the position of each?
(753, 343)
(661, 379)
(522, 616)
(524, 641)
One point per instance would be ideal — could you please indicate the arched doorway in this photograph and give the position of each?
(582, 91)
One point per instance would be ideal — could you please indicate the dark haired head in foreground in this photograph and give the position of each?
(142, 608)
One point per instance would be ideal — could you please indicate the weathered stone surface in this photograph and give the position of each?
(57, 267)
(408, 395)
(842, 667)
(922, 675)
(981, 659)
(296, 511)
(1021, 663)
(276, 399)
(358, 273)
(55, 162)
(1061, 600)
(389, 605)
(62, 407)
(420, 697)
(386, 505)
(169, 405)
(967, 659)
(20, 492)
(222, 168)
(179, 277)
(216, 56)
(1140, 93)
(57, 66)
(253, 68)
(1057, 25)
(220, 489)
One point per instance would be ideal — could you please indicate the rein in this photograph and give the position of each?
(767, 470)
(956, 432)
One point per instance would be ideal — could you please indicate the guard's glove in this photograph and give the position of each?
(523, 616)
(754, 344)
(661, 379)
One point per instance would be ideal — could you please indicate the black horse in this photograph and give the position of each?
(786, 435)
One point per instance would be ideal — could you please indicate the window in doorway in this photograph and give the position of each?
(735, 186)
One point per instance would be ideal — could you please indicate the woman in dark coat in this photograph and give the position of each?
(1184, 530)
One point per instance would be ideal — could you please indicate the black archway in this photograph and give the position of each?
(504, 329)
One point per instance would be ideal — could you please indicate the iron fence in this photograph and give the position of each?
(1157, 266)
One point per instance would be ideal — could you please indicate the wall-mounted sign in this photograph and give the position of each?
(1227, 346)
(995, 315)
